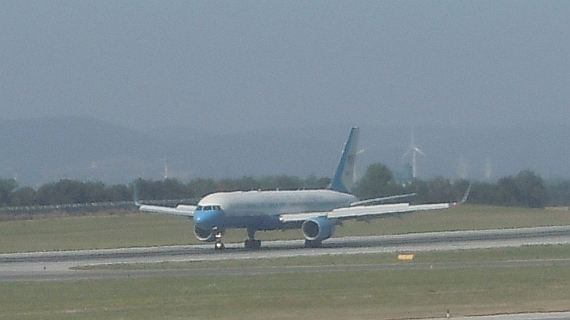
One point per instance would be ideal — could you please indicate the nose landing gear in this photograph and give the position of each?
(251, 243)
(219, 244)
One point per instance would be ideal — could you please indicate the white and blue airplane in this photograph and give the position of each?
(315, 212)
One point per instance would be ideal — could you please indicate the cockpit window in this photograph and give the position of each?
(209, 208)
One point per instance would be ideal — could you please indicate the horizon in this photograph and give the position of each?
(41, 151)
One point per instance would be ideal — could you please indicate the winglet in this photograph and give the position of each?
(466, 194)
(343, 179)
(462, 201)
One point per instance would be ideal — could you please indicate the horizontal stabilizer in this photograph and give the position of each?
(381, 199)
(180, 210)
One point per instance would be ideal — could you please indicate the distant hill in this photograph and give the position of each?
(38, 151)
(45, 150)
(49, 149)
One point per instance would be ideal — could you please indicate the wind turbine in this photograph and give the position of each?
(414, 151)
(16, 172)
(94, 171)
(488, 169)
(166, 170)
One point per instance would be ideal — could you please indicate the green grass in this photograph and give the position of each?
(539, 252)
(382, 294)
(465, 217)
(94, 232)
(137, 230)
(374, 294)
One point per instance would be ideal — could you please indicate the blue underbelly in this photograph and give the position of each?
(257, 223)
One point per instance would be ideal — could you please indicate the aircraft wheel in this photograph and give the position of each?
(252, 244)
(313, 244)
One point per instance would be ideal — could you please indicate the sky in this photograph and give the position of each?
(233, 66)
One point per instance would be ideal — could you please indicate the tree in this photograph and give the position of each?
(440, 190)
(483, 193)
(95, 192)
(525, 190)
(174, 189)
(559, 194)
(201, 187)
(22, 197)
(64, 191)
(421, 189)
(312, 182)
(530, 190)
(7, 186)
(119, 192)
(506, 192)
(378, 181)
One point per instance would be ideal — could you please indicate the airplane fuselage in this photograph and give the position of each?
(260, 210)
(258, 203)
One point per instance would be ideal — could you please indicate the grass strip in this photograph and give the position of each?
(538, 252)
(384, 294)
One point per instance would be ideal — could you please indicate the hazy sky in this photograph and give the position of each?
(241, 65)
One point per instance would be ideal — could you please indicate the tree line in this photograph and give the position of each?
(526, 189)
(67, 191)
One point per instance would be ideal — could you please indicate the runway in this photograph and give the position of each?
(45, 266)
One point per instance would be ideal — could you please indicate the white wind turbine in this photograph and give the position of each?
(166, 170)
(413, 151)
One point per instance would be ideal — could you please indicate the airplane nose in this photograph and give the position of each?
(208, 219)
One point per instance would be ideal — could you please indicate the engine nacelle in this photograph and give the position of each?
(318, 229)
(207, 235)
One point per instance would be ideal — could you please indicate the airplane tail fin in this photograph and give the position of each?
(343, 180)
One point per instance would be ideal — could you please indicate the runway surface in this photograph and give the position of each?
(57, 265)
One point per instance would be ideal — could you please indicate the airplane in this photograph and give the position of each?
(315, 212)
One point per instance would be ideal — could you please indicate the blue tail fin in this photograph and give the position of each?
(343, 179)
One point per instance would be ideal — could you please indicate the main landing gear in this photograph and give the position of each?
(251, 243)
(313, 244)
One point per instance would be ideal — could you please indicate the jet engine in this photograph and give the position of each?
(317, 229)
(207, 235)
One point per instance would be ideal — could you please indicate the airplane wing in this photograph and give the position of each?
(181, 209)
(381, 199)
(373, 211)
(357, 212)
